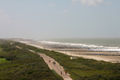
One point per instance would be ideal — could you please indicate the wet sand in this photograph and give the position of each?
(113, 57)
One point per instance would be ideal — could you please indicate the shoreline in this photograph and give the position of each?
(109, 58)
(112, 59)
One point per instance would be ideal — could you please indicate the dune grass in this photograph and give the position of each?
(3, 60)
(87, 69)
(84, 69)
(22, 64)
(80, 68)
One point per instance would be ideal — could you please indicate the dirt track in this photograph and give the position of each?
(54, 65)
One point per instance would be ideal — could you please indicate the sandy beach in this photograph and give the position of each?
(113, 57)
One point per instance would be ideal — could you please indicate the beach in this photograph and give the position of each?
(108, 56)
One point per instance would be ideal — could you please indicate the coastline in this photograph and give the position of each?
(112, 59)
(100, 56)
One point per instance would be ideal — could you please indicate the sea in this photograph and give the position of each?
(106, 44)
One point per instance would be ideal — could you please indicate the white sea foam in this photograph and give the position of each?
(79, 45)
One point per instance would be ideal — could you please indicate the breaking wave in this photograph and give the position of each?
(79, 45)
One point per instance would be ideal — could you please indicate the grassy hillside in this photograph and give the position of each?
(85, 69)
(18, 63)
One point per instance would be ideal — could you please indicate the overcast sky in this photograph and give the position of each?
(42, 19)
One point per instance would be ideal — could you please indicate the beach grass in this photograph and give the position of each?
(85, 69)
(80, 68)
(58, 76)
(3, 60)
(21, 64)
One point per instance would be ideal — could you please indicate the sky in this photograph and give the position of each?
(47, 19)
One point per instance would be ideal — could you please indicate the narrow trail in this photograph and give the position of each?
(54, 65)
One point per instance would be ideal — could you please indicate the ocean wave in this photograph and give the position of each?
(79, 45)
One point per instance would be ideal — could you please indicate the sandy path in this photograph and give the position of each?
(54, 65)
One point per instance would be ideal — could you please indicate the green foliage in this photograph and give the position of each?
(86, 69)
(57, 75)
(3, 60)
(31, 67)
(22, 64)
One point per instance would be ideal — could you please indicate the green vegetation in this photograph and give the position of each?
(30, 68)
(85, 69)
(21, 64)
(56, 74)
(3, 60)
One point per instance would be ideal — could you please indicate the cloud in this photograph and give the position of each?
(89, 2)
